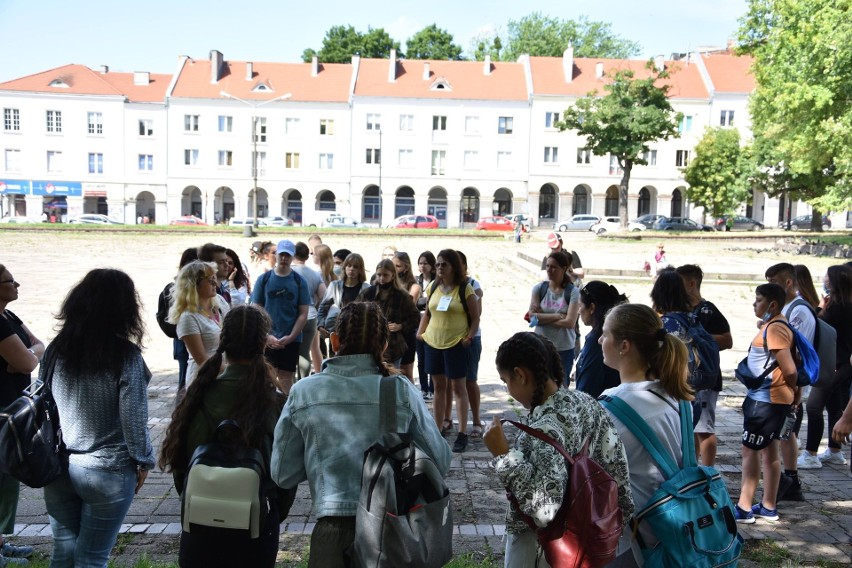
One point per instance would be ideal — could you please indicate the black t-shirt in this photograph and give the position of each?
(349, 294)
(575, 260)
(714, 322)
(11, 384)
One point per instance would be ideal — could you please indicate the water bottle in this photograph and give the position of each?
(787, 427)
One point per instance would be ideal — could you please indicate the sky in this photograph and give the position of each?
(150, 36)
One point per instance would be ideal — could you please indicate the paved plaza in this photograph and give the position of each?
(816, 530)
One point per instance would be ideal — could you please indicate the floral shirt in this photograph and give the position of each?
(536, 474)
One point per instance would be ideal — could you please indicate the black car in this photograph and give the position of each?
(803, 223)
(738, 223)
(648, 220)
(680, 224)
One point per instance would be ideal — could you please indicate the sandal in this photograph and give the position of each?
(476, 431)
(447, 427)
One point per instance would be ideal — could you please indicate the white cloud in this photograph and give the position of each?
(403, 28)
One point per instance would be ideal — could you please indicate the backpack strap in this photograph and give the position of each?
(630, 418)
(687, 434)
(802, 302)
(387, 404)
(545, 438)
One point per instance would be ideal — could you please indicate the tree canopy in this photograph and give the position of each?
(718, 173)
(342, 42)
(632, 113)
(432, 42)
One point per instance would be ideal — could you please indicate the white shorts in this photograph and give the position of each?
(707, 421)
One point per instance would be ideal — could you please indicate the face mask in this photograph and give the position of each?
(338, 270)
(825, 290)
(386, 286)
(766, 317)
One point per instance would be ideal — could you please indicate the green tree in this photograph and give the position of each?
(487, 44)
(342, 42)
(540, 35)
(433, 42)
(632, 113)
(717, 175)
(802, 105)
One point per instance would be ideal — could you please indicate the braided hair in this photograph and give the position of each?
(536, 353)
(363, 329)
(243, 339)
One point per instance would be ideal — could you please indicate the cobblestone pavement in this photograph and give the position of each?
(816, 530)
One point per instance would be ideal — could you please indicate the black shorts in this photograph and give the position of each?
(285, 358)
(762, 422)
(411, 341)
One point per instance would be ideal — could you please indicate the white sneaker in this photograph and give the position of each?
(808, 461)
(832, 457)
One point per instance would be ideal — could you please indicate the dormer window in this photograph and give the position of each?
(59, 83)
(261, 88)
(440, 84)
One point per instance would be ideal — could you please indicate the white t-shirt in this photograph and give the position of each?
(194, 323)
(313, 279)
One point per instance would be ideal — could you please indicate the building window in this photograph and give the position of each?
(146, 127)
(95, 121)
(261, 164)
(226, 158)
(551, 154)
(190, 157)
(96, 163)
(291, 160)
(54, 161)
(504, 160)
(471, 160)
(406, 122)
(292, 126)
(682, 158)
(11, 119)
(471, 125)
(326, 161)
(505, 125)
(13, 161)
(584, 156)
(260, 129)
(226, 123)
(54, 121)
(550, 119)
(406, 158)
(439, 158)
(685, 124)
(374, 156)
(374, 122)
(190, 122)
(146, 163)
(439, 122)
(326, 127)
(726, 118)
(614, 168)
(650, 156)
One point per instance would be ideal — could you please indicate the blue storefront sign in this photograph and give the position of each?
(57, 188)
(14, 187)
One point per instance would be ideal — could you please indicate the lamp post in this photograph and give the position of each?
(248, 230)
(381, 208)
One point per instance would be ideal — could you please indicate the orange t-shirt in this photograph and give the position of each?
(774, 389)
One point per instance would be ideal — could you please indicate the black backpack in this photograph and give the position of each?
(163, 304)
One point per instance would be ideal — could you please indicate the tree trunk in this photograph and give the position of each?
(816, 221)
(622, 193)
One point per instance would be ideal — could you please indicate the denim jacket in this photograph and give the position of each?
(330, 420)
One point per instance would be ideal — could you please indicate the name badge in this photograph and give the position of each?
(444, 303)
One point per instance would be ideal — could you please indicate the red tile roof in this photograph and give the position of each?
(729, 73)
(465, 79)
(80, 80)
(330, 85)
(548, 78)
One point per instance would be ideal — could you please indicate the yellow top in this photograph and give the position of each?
(447, 326)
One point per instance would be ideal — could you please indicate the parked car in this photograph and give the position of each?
(738, 223)
(495, 224)
(525, 219)
(577, 223)
(339, 222)
(275, 221)
(648, 220)
(613, 225)
(17, 220)
(241, 221)
(188, 220)
(93, 219)
(414, 222)
(803, 223)
(680, 224)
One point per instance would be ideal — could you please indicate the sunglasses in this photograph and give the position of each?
(441, 264)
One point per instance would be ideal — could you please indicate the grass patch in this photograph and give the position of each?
(830, 239)
(474, 560)
(768, 554)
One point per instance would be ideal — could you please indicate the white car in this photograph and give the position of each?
(275, 222)
(613, 225)
(93, 219)
(19, 220)
(576, 223)
(525, 219)
(339, 222)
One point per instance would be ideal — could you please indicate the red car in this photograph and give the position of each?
(188, 220)
(414, 222)
(495, 224)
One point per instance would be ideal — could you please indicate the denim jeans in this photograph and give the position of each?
(86, 509)
(567, 357)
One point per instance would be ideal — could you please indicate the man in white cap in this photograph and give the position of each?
(285, 297)
(554, 241)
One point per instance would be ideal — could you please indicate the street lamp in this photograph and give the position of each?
(248, 231)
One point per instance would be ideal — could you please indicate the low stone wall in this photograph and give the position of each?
(801, 246)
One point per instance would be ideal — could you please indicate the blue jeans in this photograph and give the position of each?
(567, 357)
(182, 356)
(86, 509)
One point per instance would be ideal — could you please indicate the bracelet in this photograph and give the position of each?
(33, 352)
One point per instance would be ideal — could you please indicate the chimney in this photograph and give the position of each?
(599, 70)
(216, 61)
(486, 67)
(249, 71)
(660, 63)
(392, 67)
(314, 66)
(141, 78)
(568, 63)
(732, 44)
(104, 69)
(426, 71)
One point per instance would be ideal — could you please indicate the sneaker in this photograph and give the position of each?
(762, 512)
(12, 551)
(743, 517)
(461, 443)
(4, 562)
(789, 489)
(808, 461)
(832, 457)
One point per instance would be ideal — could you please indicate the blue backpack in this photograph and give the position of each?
(704, 367)
(808, 360)
(691, 513)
